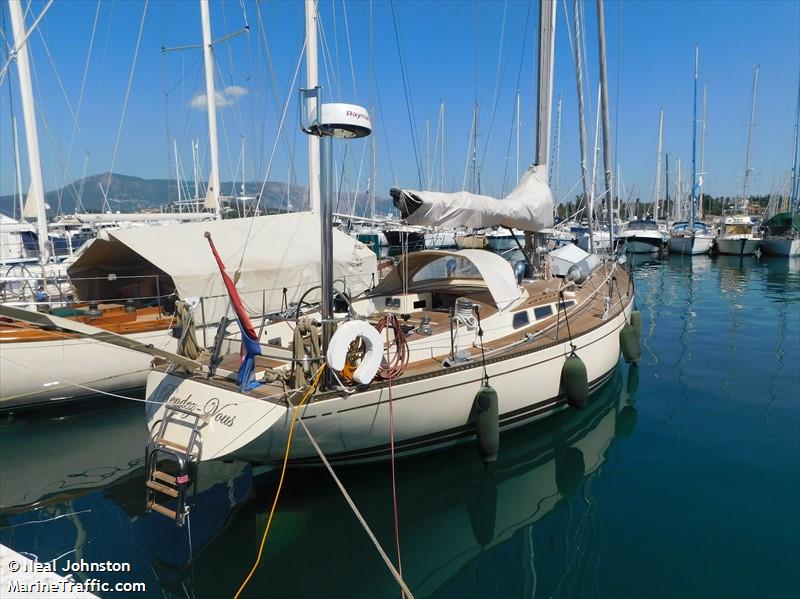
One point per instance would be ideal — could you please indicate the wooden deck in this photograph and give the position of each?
(584, 316)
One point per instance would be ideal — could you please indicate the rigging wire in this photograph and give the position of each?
(406, 91)
(312, 387)
(519, 79)
(274, 87)
(289, 96)
(80, 98)
(124, 109)
(349, 48)
(375, 88)
(395, 574)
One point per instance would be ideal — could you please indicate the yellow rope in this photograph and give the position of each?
(311, 389)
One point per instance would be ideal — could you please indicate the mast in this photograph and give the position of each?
(601, 40)
(796, 160)
(702, 154)
(177, 173)
(212, 193)
(372, 175)
(195, 165)
(18, 169)
(582, 117)
(427, 154)
(544, 111)
(666, 188)
(311, 83)
(658, 163)
(36, 192)
(544, 88)
(517, 123)
(441, 174)
(747, 168)
(558, 147)
(474, 159)
(678, 212)
(694, 140)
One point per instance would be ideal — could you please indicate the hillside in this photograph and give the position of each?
(132, 194)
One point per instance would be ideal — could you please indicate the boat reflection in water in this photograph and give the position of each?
(456, 516)
(84, 500)
(71, 489)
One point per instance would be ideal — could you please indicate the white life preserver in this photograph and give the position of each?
(340, 344)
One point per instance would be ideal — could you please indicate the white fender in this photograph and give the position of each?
(373, 354)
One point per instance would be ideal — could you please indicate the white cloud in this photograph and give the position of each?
(226, 97)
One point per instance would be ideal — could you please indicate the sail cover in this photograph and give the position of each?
(278, 257)
(528, 207)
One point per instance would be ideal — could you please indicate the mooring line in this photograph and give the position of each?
(395, 574)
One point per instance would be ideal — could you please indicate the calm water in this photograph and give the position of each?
(680, 479)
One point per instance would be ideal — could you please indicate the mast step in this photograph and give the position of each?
(151, 484)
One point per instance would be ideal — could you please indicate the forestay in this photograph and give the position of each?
(275, 252)
(528, 207)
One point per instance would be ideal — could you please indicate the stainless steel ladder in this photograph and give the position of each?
(173, 485)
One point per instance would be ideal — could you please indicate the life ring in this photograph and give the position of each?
(373, 349)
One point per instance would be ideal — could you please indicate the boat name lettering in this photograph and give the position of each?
(217, 412)
(185, 403)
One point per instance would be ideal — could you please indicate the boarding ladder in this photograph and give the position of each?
(171, 466)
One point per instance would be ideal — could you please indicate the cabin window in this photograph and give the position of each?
(566, 304)
(448, 267)
(420, 304)
(521, 319)
(543, 312)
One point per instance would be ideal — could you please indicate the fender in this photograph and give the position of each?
(340, 343)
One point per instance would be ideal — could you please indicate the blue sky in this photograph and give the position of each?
(451, 52)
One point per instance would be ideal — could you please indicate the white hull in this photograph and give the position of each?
(737, 246)
(690, 245)
(430, 412)
(601, 242)
(38, 372)
(440, 240)
(781, 246)
(635, 246)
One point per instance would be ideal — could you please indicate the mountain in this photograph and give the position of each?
(133, 194)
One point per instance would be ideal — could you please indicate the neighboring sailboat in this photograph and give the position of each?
(739, 234)
(693, 237)
(782, 231)
(645, 236)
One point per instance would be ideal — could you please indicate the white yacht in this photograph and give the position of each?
(688, 239)
(738, 236)
(643, 237)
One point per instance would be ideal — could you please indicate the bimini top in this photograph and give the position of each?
(466, 270)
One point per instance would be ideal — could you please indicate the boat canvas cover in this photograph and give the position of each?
(495, 272)
(528, 207)
(569, 255)
(271, 252)
(782, 223)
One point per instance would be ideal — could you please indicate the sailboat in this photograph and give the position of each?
(471, 349)
(739, 233)
(129, 280)
(692, 237)
(644, 236)
(782, 232)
